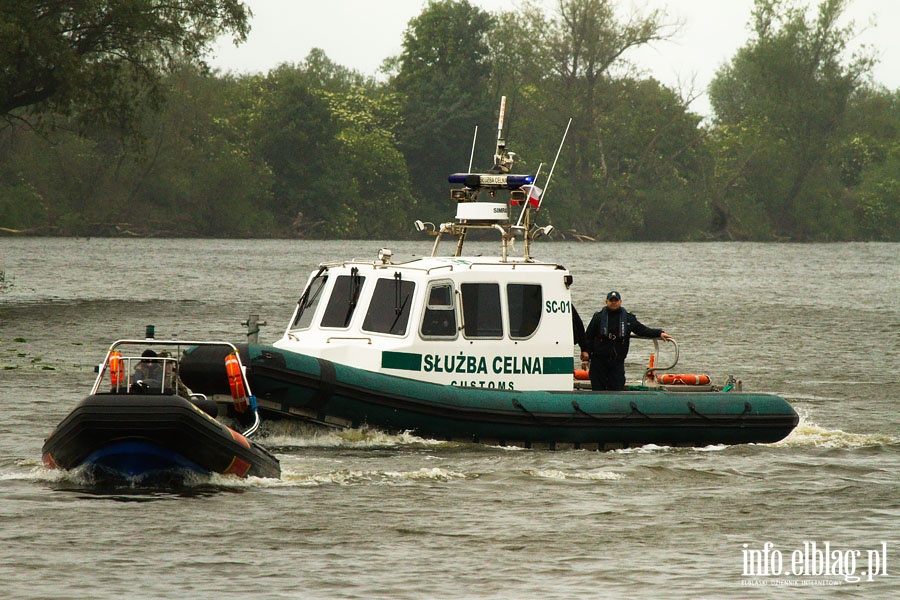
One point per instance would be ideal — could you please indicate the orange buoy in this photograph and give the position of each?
(581, 375)
(682, 379)
(236, 382)
(115, 368)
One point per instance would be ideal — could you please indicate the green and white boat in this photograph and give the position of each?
(476, 348)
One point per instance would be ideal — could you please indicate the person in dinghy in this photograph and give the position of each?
(607, 338)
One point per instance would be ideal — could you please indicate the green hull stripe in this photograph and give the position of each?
(409, 361)
(558, 365)
(406, 361)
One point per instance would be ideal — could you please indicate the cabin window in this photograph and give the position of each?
(524, 304)
(439, 319)
(344, 298)
(390, 306)
(309, 301)
(481, 310)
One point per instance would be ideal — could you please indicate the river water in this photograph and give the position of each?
(362, 514)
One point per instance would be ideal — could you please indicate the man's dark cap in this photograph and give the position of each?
(614, 296)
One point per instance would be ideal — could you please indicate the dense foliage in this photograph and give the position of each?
(110, 124)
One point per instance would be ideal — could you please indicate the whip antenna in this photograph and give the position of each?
(550, 176)
(500, 121)
(472, 155)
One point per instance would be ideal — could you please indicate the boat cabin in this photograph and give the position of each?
(463, 321)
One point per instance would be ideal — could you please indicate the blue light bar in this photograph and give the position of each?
(485, 180)
(517, 181)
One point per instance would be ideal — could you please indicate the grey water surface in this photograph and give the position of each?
(364, 514)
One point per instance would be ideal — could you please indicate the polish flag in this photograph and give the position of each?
(534, 196)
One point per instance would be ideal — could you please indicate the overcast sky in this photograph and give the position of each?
(360, 34)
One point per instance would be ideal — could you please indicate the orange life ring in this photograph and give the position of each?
(115, 368)
(581, 375)
(236, 380)
(682, 379)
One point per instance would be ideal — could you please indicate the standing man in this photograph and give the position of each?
(607, 339)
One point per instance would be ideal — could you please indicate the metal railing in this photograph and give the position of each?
(134, 372)
(651, 371)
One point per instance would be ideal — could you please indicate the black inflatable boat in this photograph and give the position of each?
(141, 422)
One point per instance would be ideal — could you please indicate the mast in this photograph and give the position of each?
(503, 160)
(494, 213)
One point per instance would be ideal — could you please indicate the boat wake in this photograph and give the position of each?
(81, 480)
(808, 434)
(288, 436)
(32, 473)
(352, 477)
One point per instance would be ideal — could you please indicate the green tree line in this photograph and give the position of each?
(111, 124)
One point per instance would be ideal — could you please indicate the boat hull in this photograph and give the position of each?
(137, 436)
(290, 384)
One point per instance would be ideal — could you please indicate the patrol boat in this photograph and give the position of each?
(474, 348)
